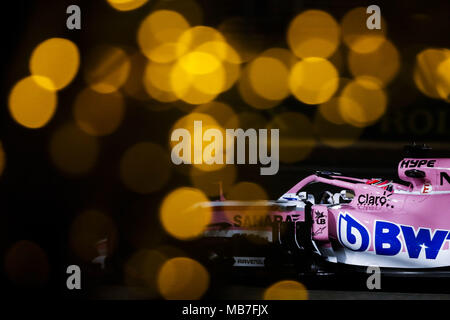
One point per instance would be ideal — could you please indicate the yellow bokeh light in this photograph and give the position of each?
(158, 36)
(182, 279)
(443, 72)
(197, 36)
(144, 168)
(182, 214)
(313, 80)
(107, 69)
(57, 60)
(26, 264)
(87, 229)
(296, 136)
(197, 88)
(330, 111)
(98, 114)
(313, 33)
(273, 87)
(357, 36)
(221, 50)
(249, 95)
(72, 150)
(286, 290)
(381, 64)
(427, 76)
(198, 62)
(126, 5)
(364, 102)
(31, 105)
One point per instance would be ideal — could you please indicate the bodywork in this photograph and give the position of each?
(362, 222)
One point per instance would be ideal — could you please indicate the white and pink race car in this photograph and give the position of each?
(328, 219)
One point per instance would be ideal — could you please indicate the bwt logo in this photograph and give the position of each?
(213, 152)
(389, 238)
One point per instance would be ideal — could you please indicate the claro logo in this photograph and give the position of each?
(375, 200)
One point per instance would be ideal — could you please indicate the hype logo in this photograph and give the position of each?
(352, 234)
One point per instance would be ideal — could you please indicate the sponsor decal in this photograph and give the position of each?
(251, 221)
(318, 231)
(320, 217)
(249, 261)
(445, 176)
(352, 234)
(417, 163)
(427, 188)
(370, 201)
(389, 238)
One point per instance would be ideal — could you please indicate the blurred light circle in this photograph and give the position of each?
(273, 87)
(381, 64)
(221, 50)
(427, 76)
(30, 104)
(357, 36)
(144, 168)
(57, 60)
(98, 114)
(313, 33)
(286, 290)
(87, 229)
(250, 96)
(296, 136)
(313, 80)
(364, 102)
(198, 63)
(126, 5)
(182, 279)
(443, 72)
(330, 111)
(72, 150)
(159, 33)
(197, 88)
(196, 36)
(183, 213)
(26, 264)
(107, 69)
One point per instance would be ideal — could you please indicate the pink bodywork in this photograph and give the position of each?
(423, 204)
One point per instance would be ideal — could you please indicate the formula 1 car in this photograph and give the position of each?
(328, 221)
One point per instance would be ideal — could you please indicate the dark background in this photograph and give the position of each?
(38, 202)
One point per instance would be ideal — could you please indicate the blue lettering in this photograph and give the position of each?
(386, 233)
(415, 243)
